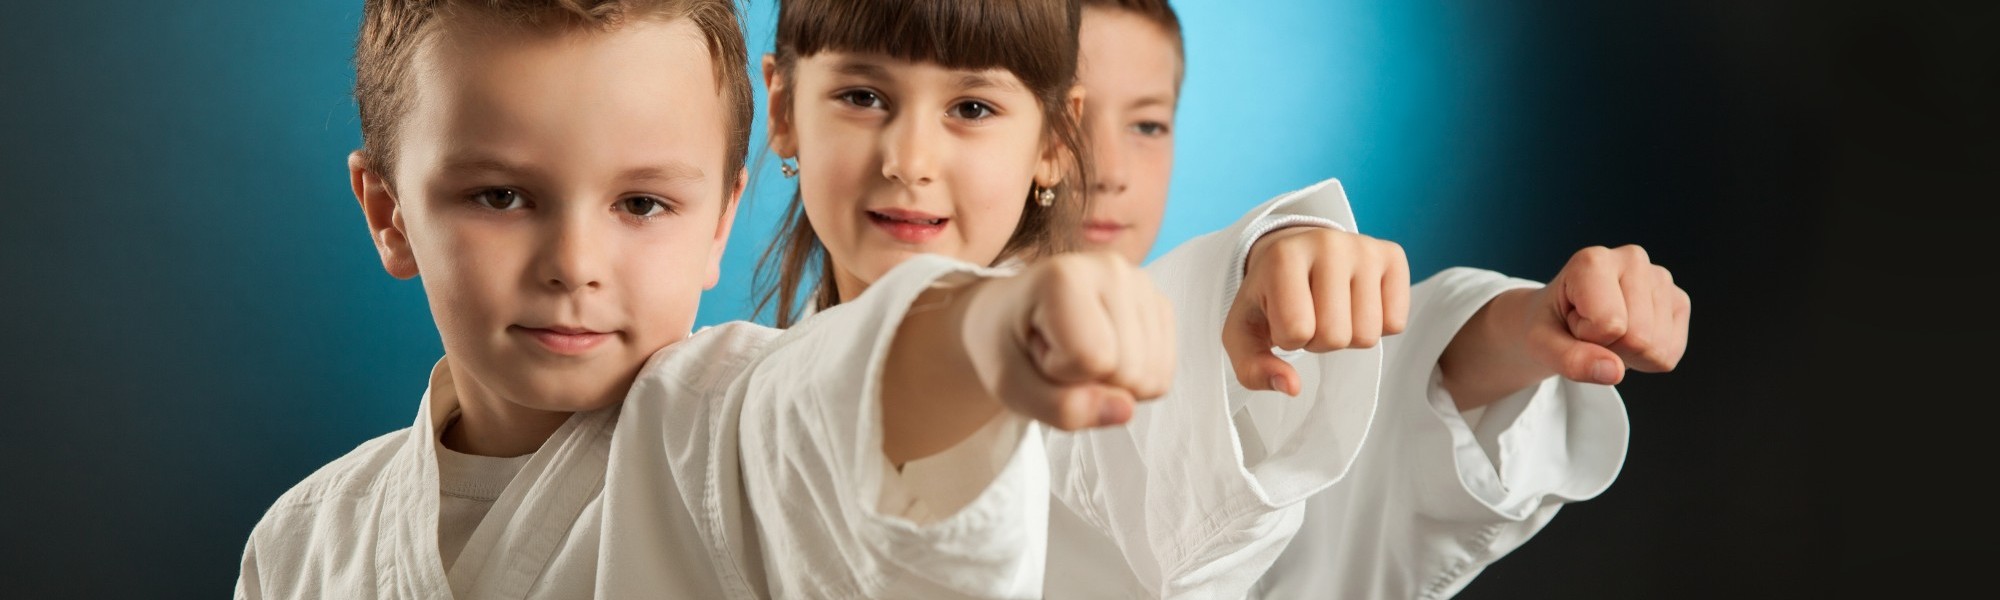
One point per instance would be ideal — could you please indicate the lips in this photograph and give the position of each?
(1100, 232)
(564, 340)
(908, 226)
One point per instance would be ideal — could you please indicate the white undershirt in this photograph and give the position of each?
(467, 487)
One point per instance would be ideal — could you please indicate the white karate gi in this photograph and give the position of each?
(1433, 499)
(1194, 510)
(1202, 499)
(747, 463)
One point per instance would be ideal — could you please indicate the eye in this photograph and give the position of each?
(861, 98)
(644, 206)
(971, 110)
(499, 198)
(1150, 128)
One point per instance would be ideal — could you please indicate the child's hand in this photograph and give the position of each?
(1607, 311)
(1317, 289)
(1073, 341)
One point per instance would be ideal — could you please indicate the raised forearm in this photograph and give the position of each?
(931, 397)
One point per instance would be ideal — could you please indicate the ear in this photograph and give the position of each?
(1049, 171)
(778, 121)
(385, 217)
(722, 227)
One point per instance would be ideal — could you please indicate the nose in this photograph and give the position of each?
(1109, 173)
(572, 258)
(910, 151)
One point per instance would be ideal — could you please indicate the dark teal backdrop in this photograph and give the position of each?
(195, 319)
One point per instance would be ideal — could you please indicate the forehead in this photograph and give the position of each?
(1124, 54)
(576, 95)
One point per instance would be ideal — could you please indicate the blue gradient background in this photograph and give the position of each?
(197, 320)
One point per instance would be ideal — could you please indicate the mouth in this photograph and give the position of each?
(1099, 231)
(908, 226)
(563, 340)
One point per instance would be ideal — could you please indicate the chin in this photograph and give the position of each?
(576, 394)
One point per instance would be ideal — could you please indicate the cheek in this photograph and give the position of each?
(835, 167)
(991, 197)
(664, 276)
(1152, 171)
(469, 266)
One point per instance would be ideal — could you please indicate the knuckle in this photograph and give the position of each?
(1640, 342)
(1589, 257)
(1392, 325)
(1613, 325)
(1096, 362)
(1334, 337)
(1295, 333)
(1362, 340)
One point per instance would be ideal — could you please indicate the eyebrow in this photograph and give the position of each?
(1153, 100)
(672, 171)
(483, 164)
(969, 81)
(861, 69)
(973, 81)
(668, 172)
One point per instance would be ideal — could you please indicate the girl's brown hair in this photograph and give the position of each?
(1036, 40)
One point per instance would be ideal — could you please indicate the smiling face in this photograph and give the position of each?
(1130, 69)
(898, 158)
(563, 196)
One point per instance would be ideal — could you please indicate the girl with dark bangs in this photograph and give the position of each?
(950, 128)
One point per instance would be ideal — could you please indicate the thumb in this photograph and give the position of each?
(1551, 345)
(1249, 348)
(1068, 407)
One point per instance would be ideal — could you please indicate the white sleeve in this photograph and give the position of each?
(1172, 488)
(247, 587)
(818, 483)
(1432, 500)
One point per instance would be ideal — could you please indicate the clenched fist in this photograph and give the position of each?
(1610, 309)
(1314, 289)
(1072, 341)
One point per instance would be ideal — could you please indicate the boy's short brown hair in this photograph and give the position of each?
(393, 30)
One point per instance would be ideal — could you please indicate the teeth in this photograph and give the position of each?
(911, 221)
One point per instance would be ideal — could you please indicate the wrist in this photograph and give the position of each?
(1490, 357)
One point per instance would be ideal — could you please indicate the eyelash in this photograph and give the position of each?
(1159, 128)
(850, 97)
(516, 200)
(985, 109)
(483, 198)
(666, 208)
(869, 99)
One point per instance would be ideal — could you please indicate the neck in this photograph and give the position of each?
(489, 425)
(846, 286)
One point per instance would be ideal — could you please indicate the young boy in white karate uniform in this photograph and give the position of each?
(563, 175)
(1495, 403)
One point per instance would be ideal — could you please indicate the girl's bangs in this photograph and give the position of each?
(1024, 37)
